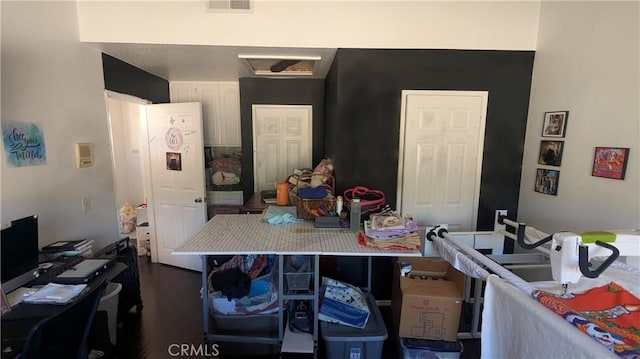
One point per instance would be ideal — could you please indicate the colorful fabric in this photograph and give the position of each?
(609, 314)
(409, 242)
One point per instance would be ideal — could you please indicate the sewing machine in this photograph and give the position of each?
(570, 253)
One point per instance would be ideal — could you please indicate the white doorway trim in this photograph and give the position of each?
(403, 145)
(142, 151)
(125, 97)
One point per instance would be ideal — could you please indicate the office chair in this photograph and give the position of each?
(65, 335)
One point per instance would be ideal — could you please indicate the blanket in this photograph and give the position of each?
(608, 313)
(514, 325)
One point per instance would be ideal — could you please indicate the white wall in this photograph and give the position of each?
(49, 77)
(587, 62)
(510, 25)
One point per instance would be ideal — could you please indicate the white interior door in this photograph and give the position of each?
(176, 164)
(441, 140)
(282, 142)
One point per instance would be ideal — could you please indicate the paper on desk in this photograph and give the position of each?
(55, 293)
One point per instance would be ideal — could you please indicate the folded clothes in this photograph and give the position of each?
(407, 242)
(409, 227)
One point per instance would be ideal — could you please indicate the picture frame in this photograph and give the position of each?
(555, 124)
(551, 153)
(174, 161)
(610, 162)
(547, 181)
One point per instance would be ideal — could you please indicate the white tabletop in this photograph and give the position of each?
(228, 234)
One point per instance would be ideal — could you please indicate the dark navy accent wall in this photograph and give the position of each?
(254, 91)
(363, 125)
(363, 121)
(122, 77)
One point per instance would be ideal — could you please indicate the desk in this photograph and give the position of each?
(17, 323)
(246, 234)
(255, 205)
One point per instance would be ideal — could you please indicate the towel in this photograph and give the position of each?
(279, 215)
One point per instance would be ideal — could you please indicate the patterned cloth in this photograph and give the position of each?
(609, 314)
(409, 242)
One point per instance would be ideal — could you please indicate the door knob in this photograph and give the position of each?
(198, 200)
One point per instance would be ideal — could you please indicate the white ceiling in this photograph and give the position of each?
(205, 63)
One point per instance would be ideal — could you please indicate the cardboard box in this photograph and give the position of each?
(428, 305)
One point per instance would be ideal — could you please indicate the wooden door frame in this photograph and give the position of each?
(254, 108)
(402, 146)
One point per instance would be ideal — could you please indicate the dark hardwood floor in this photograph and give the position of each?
(172, 319)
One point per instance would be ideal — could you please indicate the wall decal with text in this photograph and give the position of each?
(24, 144)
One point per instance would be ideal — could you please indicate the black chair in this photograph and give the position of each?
(65, 335)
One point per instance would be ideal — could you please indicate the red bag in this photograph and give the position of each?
(372, 200)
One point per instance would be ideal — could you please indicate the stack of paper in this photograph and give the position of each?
(79, 247)
(54, 293)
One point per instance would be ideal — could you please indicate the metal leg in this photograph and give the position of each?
(477, 302)
(205, 299)
(369, 260)
(316, 297)
(280, 299)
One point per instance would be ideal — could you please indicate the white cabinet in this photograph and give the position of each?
(220, 108)
(224, 197)
(228, 128)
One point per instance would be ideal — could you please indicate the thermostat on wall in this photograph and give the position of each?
(84, 155)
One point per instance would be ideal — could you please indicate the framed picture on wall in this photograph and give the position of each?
(555, 124)
(547, 181)
(550, 153)
(610, 162)
(174, 161)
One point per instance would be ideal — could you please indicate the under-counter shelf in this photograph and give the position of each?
(299, 296)
(246, 234)
(298, 281)
(294, 342)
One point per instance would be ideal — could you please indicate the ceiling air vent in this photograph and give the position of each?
(229, 5)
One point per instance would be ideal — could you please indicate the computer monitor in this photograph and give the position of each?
(19, 252)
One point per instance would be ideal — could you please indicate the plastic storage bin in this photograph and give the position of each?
(267, 323)
(109, 303)
(352, 343)
(429, 349)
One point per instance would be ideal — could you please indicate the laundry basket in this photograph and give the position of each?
(109, 303)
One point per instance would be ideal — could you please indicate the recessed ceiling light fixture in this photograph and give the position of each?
(273, 65)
